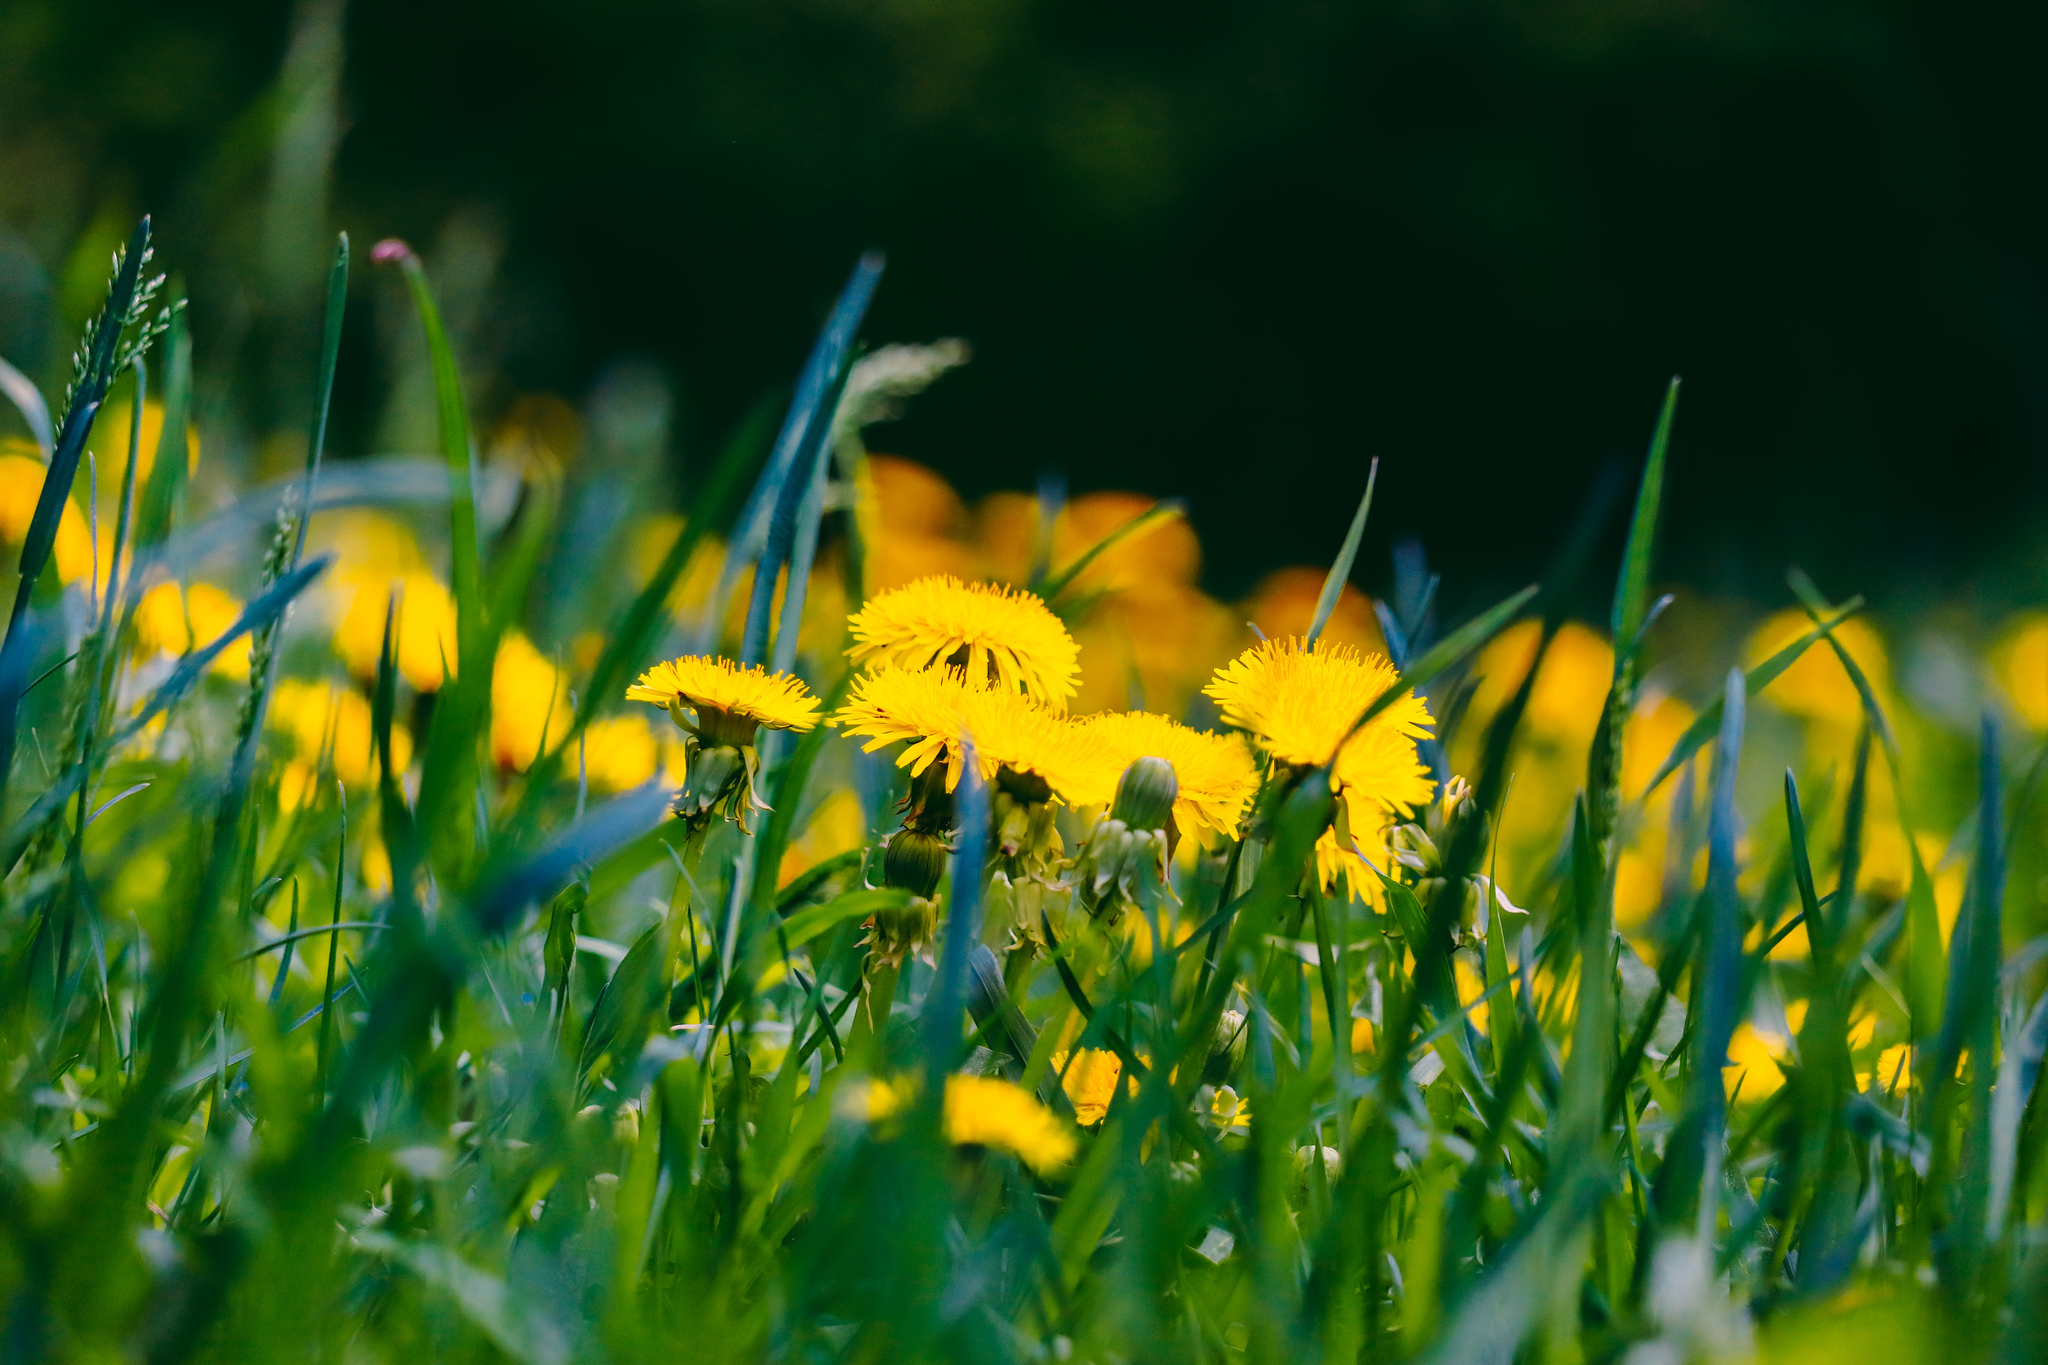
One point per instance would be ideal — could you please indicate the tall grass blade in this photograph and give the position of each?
(1719, 991)
(28, 400)
(806, 421)
(1057, 582)
(1340, 568)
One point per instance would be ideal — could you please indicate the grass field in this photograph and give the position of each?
(446, 919)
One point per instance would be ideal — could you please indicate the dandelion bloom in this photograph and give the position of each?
(619, 753)
(335, 721)
(984, 1111)
(173, 621)
(422, 631)
(929, 712)
(1816, 686)
(21, 487)
(728, 701)
(2022, 669)
(1090, 1082)
(1006, 637)
(529, 703)
(1299, 701)
(1215, 772)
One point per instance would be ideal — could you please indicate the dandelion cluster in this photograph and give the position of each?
(1041, 960)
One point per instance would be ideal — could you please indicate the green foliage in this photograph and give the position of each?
(279, 1108)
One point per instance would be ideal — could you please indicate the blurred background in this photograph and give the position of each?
(1225, 252)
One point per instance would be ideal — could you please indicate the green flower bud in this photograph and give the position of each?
(903, 929)
(915, 861)
(715, 775)
(1145, 794)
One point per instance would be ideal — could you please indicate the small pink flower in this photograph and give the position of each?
(389, 250)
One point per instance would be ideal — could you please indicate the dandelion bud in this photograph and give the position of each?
(714, 775)
(1145, 794)
(915, 861)
(1230, 1034)
(1306, 1159)
(903, 929)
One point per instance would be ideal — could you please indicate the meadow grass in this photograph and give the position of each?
(359, 1001)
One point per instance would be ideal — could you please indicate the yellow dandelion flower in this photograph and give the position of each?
(1894, 1070)
(929, 711)
(323, 718)
(1229, 1111)
(529, 703)
(619, 753)
(423, 634)
(1003, 635)
(1298, 701)
(173, 621)
(2022, 668)
(1753, 1064)
(1816, 686)
(21, 487)
(988, 1112)
(1215, 772)
(727, 700)
(1090, 1082)
(984, 1111)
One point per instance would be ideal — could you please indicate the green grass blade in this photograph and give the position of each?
(1059, 581)
(323, 385)
(1632, 588)
(1720, 955)
(1340, 568)
(1447, 653)
(28, 400)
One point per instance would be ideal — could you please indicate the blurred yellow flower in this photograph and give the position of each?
(984, 1111)
(21, 484)
(320, 716)
(1471, 991)
(424, 630)
(529, 703)
(727, 701)
(913, 524)
(110, 440)
(1565, 704)
(1816, 686)
(1216, 773)
(1361, 1036)
(619, 753)
(651, 543)
(1894, 1070)
(1752, 1067)
(1284, 603)
(1008, 637)
(2021, 664)
(171, 621)
(1090, 1082)
(929, 711)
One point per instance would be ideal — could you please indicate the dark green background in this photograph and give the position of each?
(1225, 251)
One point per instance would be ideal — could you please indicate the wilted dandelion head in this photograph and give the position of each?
(988, 631)
(1216, 775)
(929, 711)
(722, 694)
